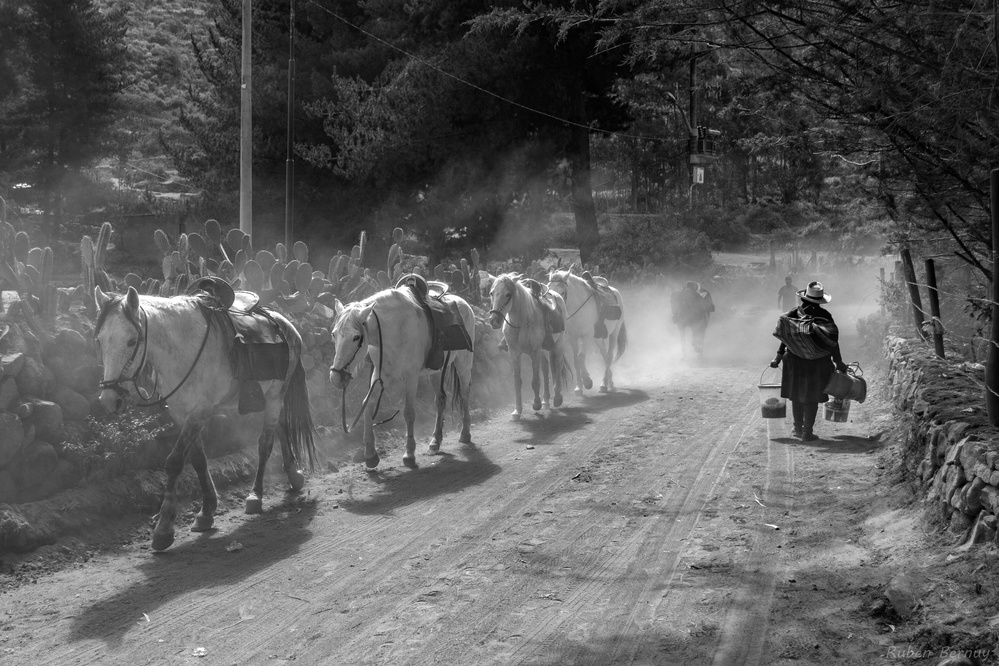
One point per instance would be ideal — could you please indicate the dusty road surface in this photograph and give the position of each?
(667, 523)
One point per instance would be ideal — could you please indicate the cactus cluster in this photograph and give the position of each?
(92, 274)
(28, 270)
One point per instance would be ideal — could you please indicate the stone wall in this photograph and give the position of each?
(950, 453)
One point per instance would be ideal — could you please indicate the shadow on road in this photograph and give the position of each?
(400, 487)
(539, 428)
(842, 444)
(201, 563)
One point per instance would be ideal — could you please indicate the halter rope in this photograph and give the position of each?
(116, 384)
(346, 377)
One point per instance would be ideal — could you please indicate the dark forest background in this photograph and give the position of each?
(482, 124)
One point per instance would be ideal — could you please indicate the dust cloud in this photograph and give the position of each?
(740, 331)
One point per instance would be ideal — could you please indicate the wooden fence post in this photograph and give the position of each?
(992, 363)
(931, 280)
(914, 298)
(881, 286)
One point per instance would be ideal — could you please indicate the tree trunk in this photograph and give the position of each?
(587, 233)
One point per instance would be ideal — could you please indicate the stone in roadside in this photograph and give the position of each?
(11, 437)
(11, 364)
(45, 415)
(34, 378)
(8, 392)
(38, 463)
(8, 489)
(74, 406)
(905, 591)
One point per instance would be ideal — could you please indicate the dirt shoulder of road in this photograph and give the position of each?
(871, 572)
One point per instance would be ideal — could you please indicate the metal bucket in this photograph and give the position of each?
(772, 405)
(838, 410)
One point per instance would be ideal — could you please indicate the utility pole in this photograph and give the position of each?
(289, 164)
(992, 362)
(246, 127)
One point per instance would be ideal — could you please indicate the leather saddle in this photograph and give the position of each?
(608, 307)
(447, 329)
(259, 350)
(554, 323)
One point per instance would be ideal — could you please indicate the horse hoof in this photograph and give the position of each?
(579, 391)
(537, 405)
(515, 416)
(202, 523)
(434, 448)
(587, 383)
(296, 480)
(163, 540)
(409, 462)
(466, 438)
(557, 401)
(603, 389)
(373, 461)
(253, 505)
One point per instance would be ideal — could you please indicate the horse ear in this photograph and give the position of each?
(132, 300)
(364, 313)
(572, 266)
(100, 297)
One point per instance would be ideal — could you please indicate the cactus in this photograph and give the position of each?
(162, 242)
(301, 251)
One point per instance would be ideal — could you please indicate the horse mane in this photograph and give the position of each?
(521, 307)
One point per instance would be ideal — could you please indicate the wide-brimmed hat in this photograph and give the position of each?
(814, 293)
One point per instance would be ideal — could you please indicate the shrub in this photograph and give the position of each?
(670, 249)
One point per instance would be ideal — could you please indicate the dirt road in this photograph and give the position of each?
(656, 525)
(667, 523)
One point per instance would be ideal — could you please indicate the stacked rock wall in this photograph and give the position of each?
(47, 387)
(949, 451)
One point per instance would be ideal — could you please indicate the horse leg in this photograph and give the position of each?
(371, 457)
(163, 532)
(584, 345)
(463, 368)
(535, 382)
(607, 352)
(440, 400)
(544, 362)
(265, 445)
(409, 411)
(209, 496)
(555, 362)
(517, 387)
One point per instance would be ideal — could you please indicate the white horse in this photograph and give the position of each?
(517, 311)
(583, 307)
(182, 343)
(392, 327)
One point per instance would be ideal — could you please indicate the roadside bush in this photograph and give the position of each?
(670, 249)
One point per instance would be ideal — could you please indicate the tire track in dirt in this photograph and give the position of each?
(744, 630)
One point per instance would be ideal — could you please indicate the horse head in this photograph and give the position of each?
(350, 335)
(120, 339)
(501, 297)
(558, 282)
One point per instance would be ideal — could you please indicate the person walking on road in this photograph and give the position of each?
(787, 296)
(810, 352)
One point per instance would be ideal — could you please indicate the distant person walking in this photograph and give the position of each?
(810, 351)
(787, 296)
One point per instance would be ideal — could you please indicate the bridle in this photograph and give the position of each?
(566, 283)
(346, 376)
(117, 385)
(499, 311)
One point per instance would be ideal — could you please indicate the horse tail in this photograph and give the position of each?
(561, 366)
(296, 418)
(622, 341)
(454, 384)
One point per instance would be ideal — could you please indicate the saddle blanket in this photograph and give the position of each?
(260, 352)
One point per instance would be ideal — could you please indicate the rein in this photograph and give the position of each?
(346, 376)
(591, 294)
(116, 385)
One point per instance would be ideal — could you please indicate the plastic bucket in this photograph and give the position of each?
(772, 405)
(838, 410)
